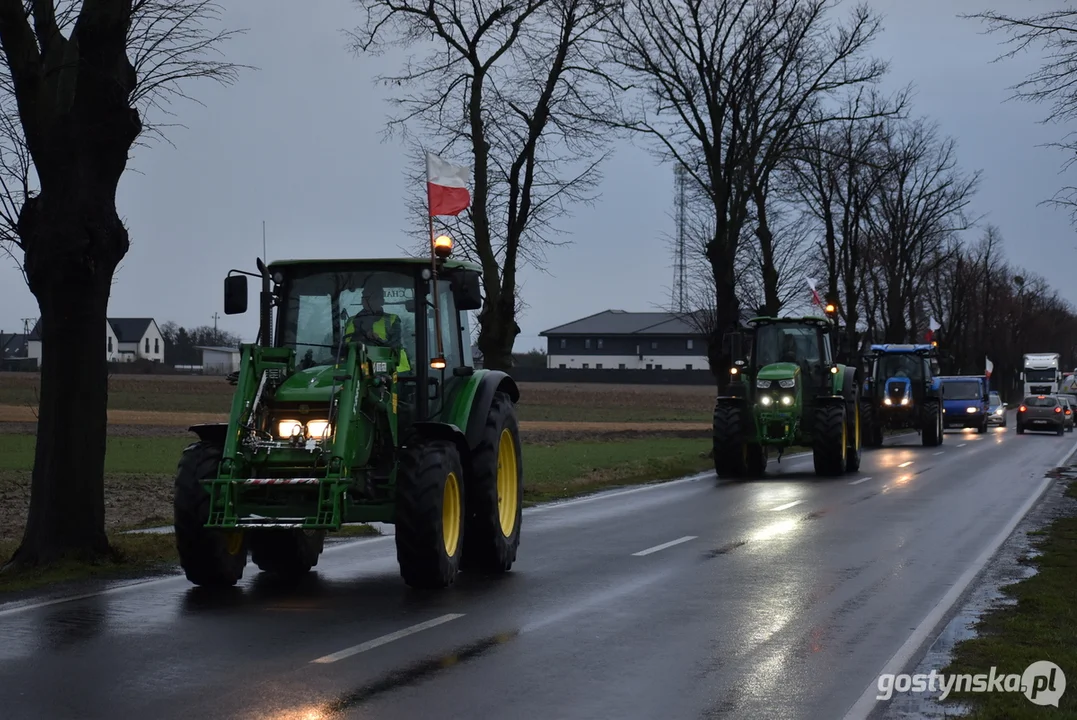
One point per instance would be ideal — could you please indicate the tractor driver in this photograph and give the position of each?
(374, 324)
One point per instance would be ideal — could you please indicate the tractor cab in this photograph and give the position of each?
(787, 349)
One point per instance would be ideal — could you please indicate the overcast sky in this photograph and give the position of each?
(298, 144)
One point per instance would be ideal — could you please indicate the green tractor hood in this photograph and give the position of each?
(310, 385)
(778, 371)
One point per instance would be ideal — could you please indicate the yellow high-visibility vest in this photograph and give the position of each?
(382, 331)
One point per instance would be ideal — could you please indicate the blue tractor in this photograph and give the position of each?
(902, 391)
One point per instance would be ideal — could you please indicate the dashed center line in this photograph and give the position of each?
(940, 452)
(962, 444)
(385, 639)
(663, 546)
(905, 464)
(786, 506)
(857, 482)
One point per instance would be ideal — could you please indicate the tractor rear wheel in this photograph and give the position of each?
(730, 449)
(495, 490)
(429, 514)
(209, 557)
(289, 553)
(829, 443)
(931, 434)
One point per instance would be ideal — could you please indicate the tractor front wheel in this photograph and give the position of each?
(495, 490)
(731, 458)
(288, 553)
(429, 514)
(931, 434)
(209, 557)
(829, 444)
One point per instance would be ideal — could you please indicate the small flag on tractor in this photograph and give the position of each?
(446, 187)
(932, 328)
(815, 299)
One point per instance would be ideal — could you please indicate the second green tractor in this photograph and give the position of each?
(791, 392)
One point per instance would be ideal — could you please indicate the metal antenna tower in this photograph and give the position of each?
(680, 270)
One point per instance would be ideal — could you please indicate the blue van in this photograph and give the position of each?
(966, 402)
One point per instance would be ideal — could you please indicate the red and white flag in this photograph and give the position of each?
(446, 187)
(988, 366)
(932, 326)
(815, 299)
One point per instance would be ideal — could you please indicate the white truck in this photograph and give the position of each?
(1041, 374)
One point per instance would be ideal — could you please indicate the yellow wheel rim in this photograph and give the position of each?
(507, 490)
(234, 542)
(450, 514)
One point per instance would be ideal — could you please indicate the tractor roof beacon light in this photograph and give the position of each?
(443, 246)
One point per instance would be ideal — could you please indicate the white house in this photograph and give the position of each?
(219, 360)
(615, 339)
(126, 340)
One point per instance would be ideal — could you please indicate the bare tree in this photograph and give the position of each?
(516, 88)
(1055, 82)
(918, 206)
(75, 104)
(723, 88)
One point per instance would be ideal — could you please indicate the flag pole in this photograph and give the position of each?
(433, 263)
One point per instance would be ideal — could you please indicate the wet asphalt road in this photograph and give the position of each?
(783, 598)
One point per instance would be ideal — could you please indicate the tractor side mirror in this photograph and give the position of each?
(466, 290)
(235, 295)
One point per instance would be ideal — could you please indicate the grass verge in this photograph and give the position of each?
(1042, 625)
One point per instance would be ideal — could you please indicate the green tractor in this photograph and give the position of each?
(361, 404)
(791, 392)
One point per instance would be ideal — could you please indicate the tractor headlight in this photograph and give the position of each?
(318, 428)
(787, 383)
(904, 401)
(289, 428)
(787, 399)
(887, 401)
(766, 400)
(763, 384)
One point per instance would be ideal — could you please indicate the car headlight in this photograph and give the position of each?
(788, 383)
(970, 410)
(998, 411)
(763, 384)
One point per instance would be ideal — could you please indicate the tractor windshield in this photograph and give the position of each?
(375, 307)
(781, 342)
(904, 365)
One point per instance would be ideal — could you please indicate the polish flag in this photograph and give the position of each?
(988, 366)
(446, 187)
(932, 326)
(815, 299)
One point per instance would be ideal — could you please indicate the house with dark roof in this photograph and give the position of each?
(616, 339)
(126, 340)
(13, 346)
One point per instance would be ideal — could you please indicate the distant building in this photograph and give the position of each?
(13, 346)
(219, 360)
(126, 340)
(615, 339)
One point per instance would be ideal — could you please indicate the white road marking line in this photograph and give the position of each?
(857, 482)
(663, 546)
(786, 506)
(385, 639)
(905, 464)
(901, 658)
(940, 452)
(962, 444)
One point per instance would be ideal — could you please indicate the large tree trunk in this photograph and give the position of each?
(73, 249)
(497, 333)
(727, 309)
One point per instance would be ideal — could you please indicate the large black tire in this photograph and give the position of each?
(872, 432)
(430, 512)
(209, 557)
(757, 460)
(931, 433)
(829, 440)
(730, 448)
(290, 553)
(495, 490)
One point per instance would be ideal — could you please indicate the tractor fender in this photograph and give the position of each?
(430, 430)
(211, 433)
(492, 381)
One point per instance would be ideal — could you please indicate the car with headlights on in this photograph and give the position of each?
(1043, 413)
(996, 410)
(1068, 409)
